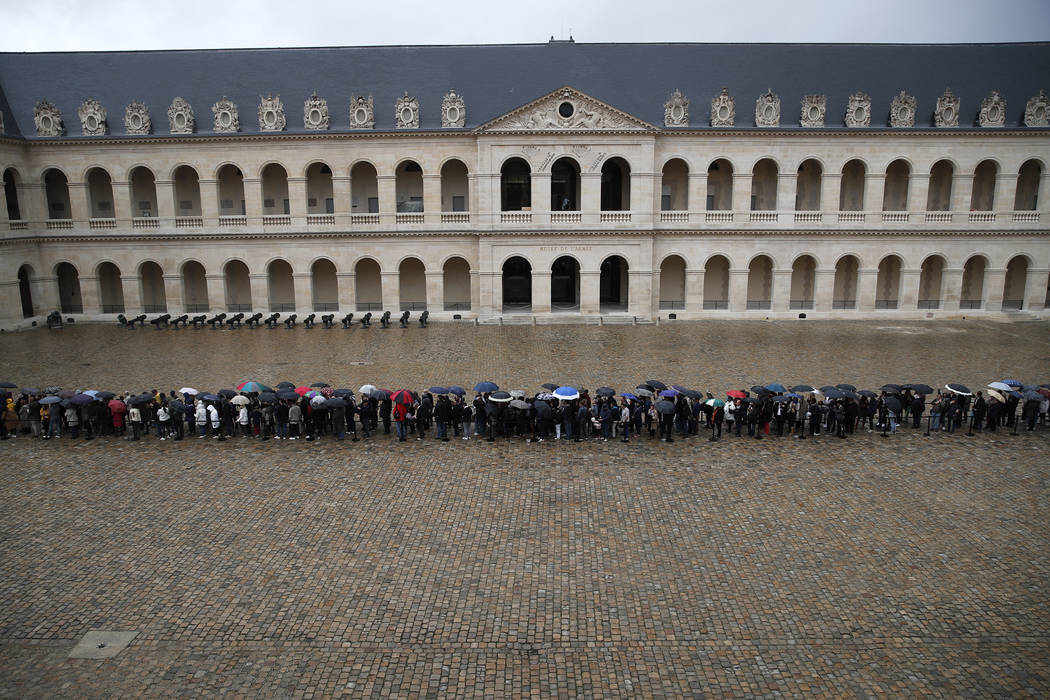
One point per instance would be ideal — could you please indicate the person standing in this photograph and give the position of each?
(163, 421)
(135, 418)
(200, 414)
(295, 417)
(216, 428)
(442, 415)
(400, 414)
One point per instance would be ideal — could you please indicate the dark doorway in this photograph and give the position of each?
(616, 185)
(612, 289)
(565, 185)
(25, 291)
(517, 284)
(565, 284)
(515, 185)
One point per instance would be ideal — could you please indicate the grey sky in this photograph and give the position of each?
(71, 25)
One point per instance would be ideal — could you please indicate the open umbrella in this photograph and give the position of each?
(628, 395)
(211, 397)
(312, 393)
(240, 400)
(1012, 382)
(869, 393)
(457, 390)
(438, 390)
(760, 390)
(500, 397)
(923, 389)
(1032, 395)
(8, 385)
(267, 397)
(47, 400)
(320, 385)
(104, 395)
(892, 403)
(302, 390)
(317, 400)
(543, 409)
(736, 394)
(403, 396)
(1044, 392)
(518, 403)
(802, 388)
(228, 393)
(567, 393)
(693, 394)
(997, 396)
(52, 389)
(188, 390)
(679, 388)
(517, 394)
(1001, 386)
(644, 390)
(335, 402)
(784, 398)
(379, 394)
(891, 388)
(342, 393)
(846, 387)
(141, 399)
(546, 396)
(958, 389)
(67, 394)
(549, 386)
(284, 385)
(90, 392)
(30, 390)
(833, 393)
(84, 399)
(486, 387)
(117, 406)
(605, 391)
(826, 388)
(327, 392)
(775, 387)
(717, 403)
(287, 395)
(666, 394)
(664, 406)
(367, 389)
(250, 386)
(658, 386)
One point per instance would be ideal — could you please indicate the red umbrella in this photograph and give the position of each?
(117, 406)
(402, 396)
(736, 394)
(302, 390)
(1044, 392)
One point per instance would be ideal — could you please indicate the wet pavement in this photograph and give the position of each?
(903, 566)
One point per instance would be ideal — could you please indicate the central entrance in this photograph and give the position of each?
(612, 289)
(517, 285)
(565, 284)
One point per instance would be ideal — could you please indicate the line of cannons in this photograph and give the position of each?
(257, 320)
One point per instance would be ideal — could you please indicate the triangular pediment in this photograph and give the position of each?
(583, 113)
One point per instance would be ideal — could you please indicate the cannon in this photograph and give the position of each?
(348, 320)
(161, 321)
(327, 320)
(272, 321)
(54, 320)
(141, 320)
(308, 322)
(234, 321)
(385, 319)
(366, 320)
(253, 320)
(215, 321)
(423, 319)
(183, 319)
(122, 320)
(404, 318)
(290, 321)
(198, 321)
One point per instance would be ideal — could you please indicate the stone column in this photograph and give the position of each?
(173, 295)
(590, 197)
(640, 292)
(387, 185)
(1005, 192)
(217, 292)
(432, 199)
(823, 289)
(787, 189)
(91, 296)
(80, 207)
(590, 291)
(694, 289)
(1036, 288)
(485, 206)
(45, 294)
(297, 202)
(874, 190)
(867, 281)
(33, 198)
(391, 282)
(541, 200)
(253, 197)
(435, 290)
(341, 194)
(210, 202)
(541, 291)
(962, 194)
(698, 193)
(918, 193)
(994, 279)
(347, 282)
(644, 186)
(655, 296)
(490, 292)
(782, 289)
(741, 198)
(303, 285)
(830, 185)
(738, 290)
(132, 285)
(951, 288)
(909, 293)
(166, 202)
(260, 286)
(122, 211)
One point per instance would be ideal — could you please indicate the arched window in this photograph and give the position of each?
(931, 282)
(151, 281)
(984, 176)
(369, 289)
(764, 185)
(25, 290)
(807, 192)
(1015, 283)
(672, 283)
(674, 186)
(613, 284)
(100, 193)
(408, 185)
(143, 193)
(455, 186)
(319, 194)
(844, 295)
(11, 182)
(719, 186)
(888, 283)
(69, 299)
(760, 284)
(616, 185)
(238, 287)
(939, 197)
(364, 189)
(517, 284)
(565, 284)
(803, 279)
(324, 286)
(971, 296)
(275, 191)
(565, 185)
(187, 192)
(457, 285)
(56, 188)
(716, 283)
(515, 185)
(195, 288)
(281, 286)
(895, 194)
(851, 186)
(412, 285)
(1027, 196)
(110, 289)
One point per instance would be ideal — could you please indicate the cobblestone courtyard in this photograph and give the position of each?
(892, 567)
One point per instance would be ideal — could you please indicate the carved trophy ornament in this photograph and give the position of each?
(1035, 112)
(48, 119)
(271, 114)
(180, 117)
(723, 109)
(676, 110)
(993, 110)
(227, 120)
(136, 119)
(858, 110)
(453, 111)
(92, 117)
(813, 109)
(946, 114)
(902, 110)
(315, 113)
(767, 110)
(406, 112)
(362, 112)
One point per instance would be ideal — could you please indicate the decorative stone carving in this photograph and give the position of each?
(48, 119)
(406, 112)
(92, 117)
(858, 110)
(813, 109)
(946, 113)
(271, 114)
(767, 110)
(362, 112)
(180, 117)
(315, 113)
(226, 118)
(136, 119)
(902, 110)
(676, 110)
(993, 110)
(723, 109)
(453, 111)
(1036, 112)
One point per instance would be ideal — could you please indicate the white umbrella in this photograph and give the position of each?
(517, 394)
(317, 400)
(366, 389)
(997, 396)
(188, 390)
(1000, 386)
(240, 400)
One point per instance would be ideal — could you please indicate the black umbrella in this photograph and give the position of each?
(141, 399)
(664, 406)
(693, 394)
(655, 384)
(751, 399)
(869, 393)
(846, 387)
(33, 390)
(851, 395)
(380, 394)
(81, 399)
(1033, 396)
(288, 395)
(801, 388)
(8, 385)
(920, 388)
(543, 409)
(500, 397)
(104, 395)
(343, 393)
(833, 393)
(958, 389)
(605, 391)
(782, 398)
(66, 403)
(320, 385)
(52, 389)
(892, 403)
(335, 402)
(643, 390)
(891, 388)
(268, 397)
(826, 388)
(761, 390)
(550, 386)
(285, 385)
(228, 393)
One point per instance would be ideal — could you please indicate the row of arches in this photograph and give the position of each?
(516, 188)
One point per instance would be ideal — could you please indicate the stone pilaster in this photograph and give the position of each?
(347, 282)
(391, 282)
(173, 294)
(210, 202)
(302, 283)
(694, 289)
(297, 201)
(435, 290)
(738, 290)
(782, 289)
(590, 291)
(132, 285)
(541, 291)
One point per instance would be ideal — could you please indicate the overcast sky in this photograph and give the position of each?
(77, 25)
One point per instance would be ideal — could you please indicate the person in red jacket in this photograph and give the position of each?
(400, 412)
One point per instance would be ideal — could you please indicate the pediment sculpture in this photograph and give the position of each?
(902, 110)
(723, 109)
(566, 109)
(180, 117)
(946, 114)
(227, 120)
(362, 112)
(676, 110)
(767, 110)
(1036, 112)
(813, 110)
(993, 110)
(858, 110)
(48, 119)
(271, 114)
(92, 117)
(136, 119)
(453, 111)
(406, 112)
(315, 113)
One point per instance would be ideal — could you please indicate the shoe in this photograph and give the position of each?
(291, 438)
(276, 437)
(163, 438)
(465, 437)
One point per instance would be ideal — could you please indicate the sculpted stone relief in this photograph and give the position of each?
(136, 119)
(453, 111)
(48, 119)
(946, 114)
(92, 117)
(993, 110)
(676, 110)
(767, 110)
(902, 110)
(315, 113)
(813, 109)
(566, 110)
(1036, 112)
(227, 121)
(858, 110)
(180, 117)
(723, 109)
(271, 114)
(362, 112)
(406, 112)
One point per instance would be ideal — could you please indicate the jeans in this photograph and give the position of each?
(400, 429)
(442, 430)
(202, 428)
(282, 429)
(54, 428)
(935, 421)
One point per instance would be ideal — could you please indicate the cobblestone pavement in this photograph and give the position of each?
(903, 566)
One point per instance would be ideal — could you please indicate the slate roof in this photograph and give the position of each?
(495, 79)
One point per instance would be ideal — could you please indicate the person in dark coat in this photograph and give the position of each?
(918, 405)
(980, 408)
(339, 422)
(384, 412)
(995, 414)
(457, 416)
(442, 415)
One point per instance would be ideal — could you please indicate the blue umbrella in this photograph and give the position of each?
(803, 388)
(213, 397)
(776, 387)
(457, 390)
(834, 393)
(627, 395)
(668, 393)
(567, 392)
(485, 387)
(783, 398)
(81, 400)
(1012, 382)
(794, 396)
(605, 391)
(438, 390)
(679, 388)
(30, 390)
(50, 400)
(284, 395)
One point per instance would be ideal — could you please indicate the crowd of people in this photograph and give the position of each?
(651, 411)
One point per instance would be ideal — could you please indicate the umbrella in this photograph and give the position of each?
(287, 395)
(782, 399)
(175, 403)
(543, 409)
(665, 407)
(851, 395)
(117, 406)
(1015, 394)
(627, 395)
(211, 397)
(141, 399)
(327, 392)
(402, 396)
(285, 385)
(958, 389)
(643, 390)
(500, 397)
(660, 386)
(1001, 386)
(312, 393)
(736, 394)
(318, 400)
(438, 390)
(833, 393)
(802, 388)
(188, 390)
(717, 403)
(846, 387)
(228, 393)
(342, 393)
(367, 389)
(760, 390)
(891, 388)
(1012, 382)
(549, 386)
(996, 395)
(1033, 396)
(604, 391)
(518, 403)
(104, 395)
(250, 386)
(826, 388)
(381, 394)
(923, 389)
(84, 399)
(679, 388)
(567, 393)
(302, 390)
(30, 390)
(8, 385)
(666, 393)
(693, 394)
(240, 400)
(794, 395)
(457, 390)
(320, 385)
(486, 387)
(66, 403)
(335, 402)
(50, 400)
(90, 392)
(752, 399)
(267, 397)
(67, 393)
(776, 387)
(1044, 392)
(517, 394)
(892, 403)
(867, 392)
(52, 389)
(546, 396)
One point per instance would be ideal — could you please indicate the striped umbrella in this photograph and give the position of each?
(251, 385)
